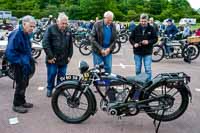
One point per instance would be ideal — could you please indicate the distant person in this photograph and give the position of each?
(171, 29)
(132, 26)
(155, 26)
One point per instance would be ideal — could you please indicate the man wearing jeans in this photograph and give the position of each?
(104, 36)
(57, 44)
(142, 39)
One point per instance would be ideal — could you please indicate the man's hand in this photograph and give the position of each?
(52, 61)
(145, 42)
(103, 52)
(68, 59)
(107, 51)
(136, 45)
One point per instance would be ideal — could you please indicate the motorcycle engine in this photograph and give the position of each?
(121, 93)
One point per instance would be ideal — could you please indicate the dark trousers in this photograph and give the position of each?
(21, 84)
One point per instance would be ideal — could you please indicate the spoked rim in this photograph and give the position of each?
(85, 49)
(71, 108)
(157, 54)
(174, 103)
(37, 37)
(123, 38)
(117, 48)
(68, 107)
(193, 50)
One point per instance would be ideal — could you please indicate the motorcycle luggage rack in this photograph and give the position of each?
(174, 79)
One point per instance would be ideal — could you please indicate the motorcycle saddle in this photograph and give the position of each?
(141, 79)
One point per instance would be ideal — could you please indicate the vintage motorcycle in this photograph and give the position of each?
(165, 98)
(178, 48)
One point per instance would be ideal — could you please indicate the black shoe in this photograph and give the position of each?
(27, 105)
(19, 109)
(49, 93)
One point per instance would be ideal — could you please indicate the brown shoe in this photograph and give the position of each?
(27, 105)
(19, 109)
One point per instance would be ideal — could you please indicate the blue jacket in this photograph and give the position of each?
(171, 30)
(18, 50)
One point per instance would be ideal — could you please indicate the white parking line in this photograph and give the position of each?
(40, 88)
(197, 89)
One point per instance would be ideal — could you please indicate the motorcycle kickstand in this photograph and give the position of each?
(157, 125)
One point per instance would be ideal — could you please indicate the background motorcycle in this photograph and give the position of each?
(178, 49)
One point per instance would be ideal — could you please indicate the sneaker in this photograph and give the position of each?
(27, 105)
(19, 109)
(49, 93)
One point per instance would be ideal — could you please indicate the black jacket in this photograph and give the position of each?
(137, 36)
(97, 37)
(58, 44)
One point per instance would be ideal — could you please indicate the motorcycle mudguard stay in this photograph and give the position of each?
(158, 82)
(78, 86)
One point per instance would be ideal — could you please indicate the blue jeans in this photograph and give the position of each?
(107, 60)
(54, 70)
(147, 60)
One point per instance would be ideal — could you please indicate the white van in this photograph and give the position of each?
(5, 14)
(191, 21)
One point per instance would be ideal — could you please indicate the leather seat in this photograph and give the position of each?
(141, 79)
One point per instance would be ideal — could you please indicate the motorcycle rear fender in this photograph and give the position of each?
(187, 90)
(77, 83)
(158, 82)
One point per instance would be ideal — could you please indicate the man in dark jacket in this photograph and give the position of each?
(57, 44)
(104, 36)
(142, 39)
(18, 53)
(170, 31)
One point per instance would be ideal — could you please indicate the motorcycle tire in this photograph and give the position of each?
(85, 48)
(158, 52)
(117, 48)
(36, 53)
(123, 38)
(153, 92)
(70, 102)
(191, 51)
(37, 37)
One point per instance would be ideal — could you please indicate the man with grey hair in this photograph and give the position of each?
(142, 39)
(57, 44)
(104, 36)
(18, 53)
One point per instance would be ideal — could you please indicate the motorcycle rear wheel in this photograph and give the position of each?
(170, 102)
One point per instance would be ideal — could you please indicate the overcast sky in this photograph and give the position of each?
(194, 3)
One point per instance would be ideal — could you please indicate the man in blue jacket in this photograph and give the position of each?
(18, 53)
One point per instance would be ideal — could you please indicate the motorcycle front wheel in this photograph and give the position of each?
(85, 48)
(70, 106)
(35, 53)
(117, 47)
(158, 53)
(174, 103)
